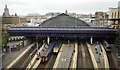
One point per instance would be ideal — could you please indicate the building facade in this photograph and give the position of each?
(8, 19)
(99, 15)
(99, 19)
(35, 19)
(114, 14)
(6, 12)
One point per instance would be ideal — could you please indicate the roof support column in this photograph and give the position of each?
(91, 40)
(10, 50)
(48, 40)
(37, 44)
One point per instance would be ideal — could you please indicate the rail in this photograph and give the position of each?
(34, 59)
(93, 57)
(57, 59)
(105, 58)
(75, 56)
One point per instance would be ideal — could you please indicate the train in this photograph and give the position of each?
(46, 51)
(57, 47)
(107, 46)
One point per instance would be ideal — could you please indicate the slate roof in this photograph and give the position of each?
(64, 20)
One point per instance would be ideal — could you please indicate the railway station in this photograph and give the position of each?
(63, 25)
(64, 42)
(60, 35)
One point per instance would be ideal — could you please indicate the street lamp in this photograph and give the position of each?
(10, 51)
(69, 43)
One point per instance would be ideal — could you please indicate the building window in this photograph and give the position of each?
(115, 15)
(112, 15)
(118, 14)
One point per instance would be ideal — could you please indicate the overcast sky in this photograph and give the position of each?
(24, 7)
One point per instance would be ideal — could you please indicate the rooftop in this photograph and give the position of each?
(64, 20)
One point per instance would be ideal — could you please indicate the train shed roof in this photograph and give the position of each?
(64, 20)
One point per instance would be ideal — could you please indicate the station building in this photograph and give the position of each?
(15, 43)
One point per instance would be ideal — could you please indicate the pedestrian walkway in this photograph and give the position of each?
(65, 59)
(9, 58)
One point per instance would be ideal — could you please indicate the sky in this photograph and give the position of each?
(24, 7)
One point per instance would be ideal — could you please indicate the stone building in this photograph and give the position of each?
(99, 15)
(99, 19)
(114, 14)
(8, 19)
(6, 12)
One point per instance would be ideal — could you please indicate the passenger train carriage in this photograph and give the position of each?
(46, 51)
(57, 47)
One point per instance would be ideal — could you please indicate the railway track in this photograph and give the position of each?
(24, 65)
(88, 58)
(84, 59)
(79, 61)
(49, 64)
(24, 61)
(112, 62)
(21, 63)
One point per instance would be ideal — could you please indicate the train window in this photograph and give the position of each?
(99, 53)
(96, 49)
(108, 47)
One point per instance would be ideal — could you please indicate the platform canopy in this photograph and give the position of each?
(64, 20)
